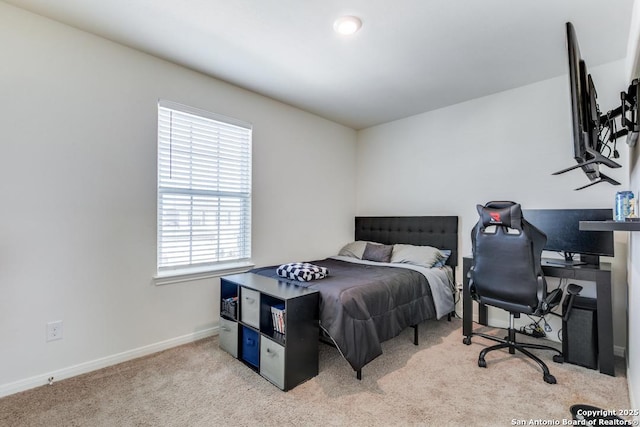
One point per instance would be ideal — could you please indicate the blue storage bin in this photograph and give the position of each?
(250, 346)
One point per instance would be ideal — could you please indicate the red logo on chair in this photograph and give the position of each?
(495, 217)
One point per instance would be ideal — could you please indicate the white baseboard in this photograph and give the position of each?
(83, 368)
(632, 397)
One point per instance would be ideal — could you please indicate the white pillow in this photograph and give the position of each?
(354, 249)
(424, 256)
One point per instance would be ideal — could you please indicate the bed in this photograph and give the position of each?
(364, 303)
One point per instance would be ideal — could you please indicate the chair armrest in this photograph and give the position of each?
(572, 290)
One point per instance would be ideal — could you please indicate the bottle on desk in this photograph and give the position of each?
(624, 206)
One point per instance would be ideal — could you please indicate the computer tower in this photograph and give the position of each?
(580, 332)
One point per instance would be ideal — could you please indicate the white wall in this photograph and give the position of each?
(500, 147)
(633, 316)
(78, 184)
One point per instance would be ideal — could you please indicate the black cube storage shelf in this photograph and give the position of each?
(248, 334)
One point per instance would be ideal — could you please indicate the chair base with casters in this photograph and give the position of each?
(510, 343)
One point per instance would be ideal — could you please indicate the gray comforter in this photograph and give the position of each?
(364, 303)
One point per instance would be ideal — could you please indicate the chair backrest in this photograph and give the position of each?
(506, 255)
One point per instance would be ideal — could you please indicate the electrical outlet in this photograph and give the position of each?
(54, 330)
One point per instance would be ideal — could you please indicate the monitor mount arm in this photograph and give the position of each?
(628, 108)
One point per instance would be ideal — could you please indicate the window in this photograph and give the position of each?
(204, 190)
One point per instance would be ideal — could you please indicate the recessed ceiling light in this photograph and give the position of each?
(347, 25)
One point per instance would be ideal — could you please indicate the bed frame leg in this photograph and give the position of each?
(415, 334)
(359, 374)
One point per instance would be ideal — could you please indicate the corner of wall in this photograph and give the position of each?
(633, 53)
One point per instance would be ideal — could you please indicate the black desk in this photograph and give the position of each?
(601, 275)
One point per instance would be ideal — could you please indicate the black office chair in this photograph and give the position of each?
(506, 273)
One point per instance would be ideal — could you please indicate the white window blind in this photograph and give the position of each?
(204, 189)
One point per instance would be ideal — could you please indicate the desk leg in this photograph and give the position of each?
(467, 303)
(467, 310)
(605, 324)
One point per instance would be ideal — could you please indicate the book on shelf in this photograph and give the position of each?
(277, 317)
(229, 306)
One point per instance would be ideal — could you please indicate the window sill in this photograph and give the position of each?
(188, 275)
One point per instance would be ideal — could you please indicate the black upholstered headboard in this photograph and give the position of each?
(438, 231)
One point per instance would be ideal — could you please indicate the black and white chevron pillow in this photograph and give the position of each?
(302, 271)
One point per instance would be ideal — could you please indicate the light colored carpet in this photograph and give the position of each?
(437, 383)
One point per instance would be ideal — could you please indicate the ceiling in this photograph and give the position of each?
(410, 56)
